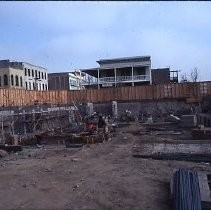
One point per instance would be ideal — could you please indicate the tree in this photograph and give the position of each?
(194, 75)
(184, 77)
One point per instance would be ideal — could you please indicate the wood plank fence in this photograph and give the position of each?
(192, 92)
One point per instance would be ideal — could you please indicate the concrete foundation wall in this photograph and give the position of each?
(154, 108)
(149, 108)
(105, 108)
(37, 118)
(30, 120)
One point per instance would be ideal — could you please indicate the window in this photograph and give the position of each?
(5, 80)
(25, 72)
(36, 73)
(43, 87)
(32, 73)
(21, 81)
(16, 81)
(39, 86)
(26, 85)
(46, 87)
(12, 80)
(39, 74)
(45, 76)
(29, 72)
(29, 85)
(42, 76)
(73, 82)
(34, 86)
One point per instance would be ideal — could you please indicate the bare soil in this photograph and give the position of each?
(98, 176)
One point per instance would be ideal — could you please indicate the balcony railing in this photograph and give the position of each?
(107, 79)
(119, 79)
(125, 78)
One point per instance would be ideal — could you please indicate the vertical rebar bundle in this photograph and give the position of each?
(186, 191)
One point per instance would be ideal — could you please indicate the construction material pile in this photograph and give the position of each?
(186, 191)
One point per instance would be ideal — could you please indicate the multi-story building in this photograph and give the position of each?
(66, 80)
(21, 75)
(36, 77)
(164, 76)
(128, 71)
(11, 74)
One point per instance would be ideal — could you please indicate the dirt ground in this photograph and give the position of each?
(98, 176)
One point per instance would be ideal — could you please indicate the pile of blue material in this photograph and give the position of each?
(186, 191)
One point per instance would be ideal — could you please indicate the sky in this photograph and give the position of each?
(64, 36)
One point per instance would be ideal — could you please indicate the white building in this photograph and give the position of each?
(36, 77)
(127, 71)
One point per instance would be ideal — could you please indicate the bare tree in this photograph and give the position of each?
(184, 77)
(194, 75)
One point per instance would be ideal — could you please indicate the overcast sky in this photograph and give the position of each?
(63, 36)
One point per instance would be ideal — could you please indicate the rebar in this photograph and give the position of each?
(186, 191)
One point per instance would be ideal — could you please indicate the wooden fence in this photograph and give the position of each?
(192, 92)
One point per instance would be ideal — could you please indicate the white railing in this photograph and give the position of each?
(107, 79)
(141, 77)
(119, 79)
(89, 82)
(125, 78)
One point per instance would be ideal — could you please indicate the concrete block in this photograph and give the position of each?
(114, 109)
(89, 108)
(188, 121)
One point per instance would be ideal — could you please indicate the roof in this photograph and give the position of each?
(10, 64)
(91, 71)
(161, 69)
(58, 73)
(17, 64)
(125, 59)
(33, 65)
(65, 73)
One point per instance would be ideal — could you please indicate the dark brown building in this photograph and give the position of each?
(164, 76)
(58, 81)
(66, 80)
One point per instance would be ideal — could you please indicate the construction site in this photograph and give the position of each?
(142, 147)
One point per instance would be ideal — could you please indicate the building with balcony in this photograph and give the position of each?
(127, 71)
(22, 75)
(66, 80)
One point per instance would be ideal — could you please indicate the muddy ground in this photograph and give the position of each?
(98, 176)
